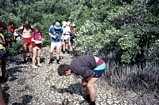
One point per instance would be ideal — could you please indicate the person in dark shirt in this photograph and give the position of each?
(90, 68)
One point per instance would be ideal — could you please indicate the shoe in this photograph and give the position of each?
(83, 102)
(29, 59)
(35, 67)
(50, 61)
(57, 61)
(63, 52)
(40, 65)
(68, 52)
(25, 61)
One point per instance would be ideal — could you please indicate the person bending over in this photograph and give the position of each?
(90, 68)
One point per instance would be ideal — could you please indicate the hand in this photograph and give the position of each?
(54, 36)
(84, 82)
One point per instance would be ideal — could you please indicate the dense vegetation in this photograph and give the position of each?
(127, 27)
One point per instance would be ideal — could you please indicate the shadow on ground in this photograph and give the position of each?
(11, 71)
(6, 95)
(73, 89)
(25, 101)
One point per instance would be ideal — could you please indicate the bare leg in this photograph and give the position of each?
(38, 57)
(57, 53)
(25, 51)
(63, 46)
(90, 87)
(34, 56)
(2, 102)
(74, 52)
(30, 51)
(84, 84)
(51, 51)
(67, 46)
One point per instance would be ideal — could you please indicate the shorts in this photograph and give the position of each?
(3, 54)
(66, 37)
(72, 38)
(99, 70)
(55, 44)
(27, 41)
(37, 45)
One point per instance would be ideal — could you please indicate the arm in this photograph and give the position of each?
(3, 43)
(88, 74)
(18, 30)
(50, 34)
(33, 40)
(88, 78)
(62, 37)
(42, 38)
(53, 36)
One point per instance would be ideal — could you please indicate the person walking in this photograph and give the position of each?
(3, 54)
(55, 33)
(90, 68)
(36, 38)
(25, 31)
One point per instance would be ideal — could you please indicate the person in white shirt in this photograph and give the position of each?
(66, 43)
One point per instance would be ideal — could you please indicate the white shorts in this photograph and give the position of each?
(55, 44)
(66, 37)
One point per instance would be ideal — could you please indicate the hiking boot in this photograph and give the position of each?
(63, 52)
(35, 67)
(92, 103)
(88, 98)
(25, 61)
(50, 61)
(29, 59)
(57, 61)
(68, 52)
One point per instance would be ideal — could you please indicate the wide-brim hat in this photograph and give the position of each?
(4, 25)
(57, 25)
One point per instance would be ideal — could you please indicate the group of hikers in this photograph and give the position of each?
(62, 37)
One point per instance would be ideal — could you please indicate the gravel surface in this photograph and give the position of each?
(43, 86)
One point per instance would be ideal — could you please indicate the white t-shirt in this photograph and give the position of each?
(67, 30)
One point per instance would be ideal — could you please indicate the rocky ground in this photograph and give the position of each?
(43, 86)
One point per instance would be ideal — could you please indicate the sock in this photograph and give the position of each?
(50, 60)
(57, 61)
(88, 98)
(92, 103)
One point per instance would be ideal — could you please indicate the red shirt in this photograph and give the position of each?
(11, 29)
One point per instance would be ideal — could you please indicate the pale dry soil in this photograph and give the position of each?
(43, 86)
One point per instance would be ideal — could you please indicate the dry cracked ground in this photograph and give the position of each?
(43, 86)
